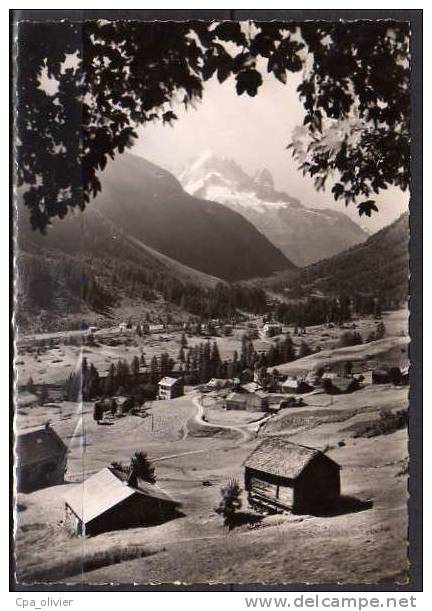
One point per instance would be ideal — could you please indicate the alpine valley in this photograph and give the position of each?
(284, 220)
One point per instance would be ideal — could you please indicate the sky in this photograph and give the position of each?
(254, 132)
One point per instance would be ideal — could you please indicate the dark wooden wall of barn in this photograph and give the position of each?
(138, 510)
(271, 479)
(41, 475)
(317, 484)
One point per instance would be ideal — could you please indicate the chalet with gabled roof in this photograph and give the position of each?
(109, 501)
(41, 459)
(295, 385)
(280, 475)
(252, 401)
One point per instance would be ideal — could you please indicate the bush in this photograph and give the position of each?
(388, 422)
(350, 338)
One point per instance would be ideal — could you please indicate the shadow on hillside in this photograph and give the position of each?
(244, 518)
(342, 505)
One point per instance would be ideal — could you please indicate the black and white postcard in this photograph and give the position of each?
(212, 364)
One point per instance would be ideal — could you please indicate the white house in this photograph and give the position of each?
(170, 388)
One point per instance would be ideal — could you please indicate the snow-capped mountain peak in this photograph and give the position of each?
(304, 235)
(264, 178)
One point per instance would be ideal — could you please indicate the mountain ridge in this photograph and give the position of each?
(379, 266)
(305, 235)
(148, 204)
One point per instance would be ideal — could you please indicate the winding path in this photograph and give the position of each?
(199, 419)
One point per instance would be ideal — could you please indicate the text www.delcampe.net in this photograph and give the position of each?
(318, 601)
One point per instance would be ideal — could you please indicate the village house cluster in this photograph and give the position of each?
(278, 475)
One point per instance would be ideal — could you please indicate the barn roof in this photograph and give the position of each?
(216, 382)
(167, 381)
(121, 399)
(38, 446)
(236, 396)
(104, 490)
(291, 383)
(251, 387)
(278, 456)
(343, 383)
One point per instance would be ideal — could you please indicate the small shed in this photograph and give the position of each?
(235, 400)
(123, 404)
(386, 375)
(170, 388)
(271, 329)
(295, 385)
(280, 475)
(338, 385)
(218, 383)
(253, 402)
(404, 381)
(251, 387)
(246, 376)
(41, 459)
(313, 379)
(107, 501)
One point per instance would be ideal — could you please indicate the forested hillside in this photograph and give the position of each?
(141, 201)
(379, 267)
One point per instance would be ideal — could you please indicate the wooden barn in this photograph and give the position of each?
(218, 384)
(42, 459)
(124, 404)
(108, 501)
(253, 402)
(280, 475)
(245, 376)
(250, 387)
(170, 388)
(388, 375)
(295, 385)
(271, 329)
(338, 385)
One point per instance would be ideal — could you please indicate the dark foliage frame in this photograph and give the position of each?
(40, 219)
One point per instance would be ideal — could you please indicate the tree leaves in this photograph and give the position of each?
(230, 31)
(248, 81)
(125, 73)
(367, 207)
(169, 116)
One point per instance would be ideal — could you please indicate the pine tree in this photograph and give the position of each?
(110, 385)
(30, 385)
(142, 468)
(97, 412)
(154, 370)
(230, 502)
(287, 349)
(135, 367)
(380, 330)
(215, 361)
(44, 395)
(304, 350)
(91, 385)
(164, 364)
(348, 368)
